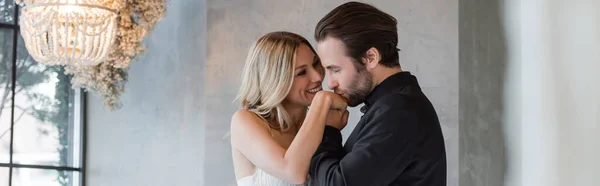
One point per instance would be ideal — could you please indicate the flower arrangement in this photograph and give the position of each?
(137, 19)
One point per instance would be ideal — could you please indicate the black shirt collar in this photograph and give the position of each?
(398, 80)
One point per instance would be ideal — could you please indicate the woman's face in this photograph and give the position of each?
(308, 77)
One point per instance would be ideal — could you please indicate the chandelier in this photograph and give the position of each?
(68, 32)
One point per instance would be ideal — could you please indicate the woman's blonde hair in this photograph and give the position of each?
(268, 75)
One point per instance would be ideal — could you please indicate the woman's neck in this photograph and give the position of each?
(297, 114)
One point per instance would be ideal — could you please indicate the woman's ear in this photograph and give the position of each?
(372, 58)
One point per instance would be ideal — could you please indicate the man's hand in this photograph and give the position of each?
(337, 118)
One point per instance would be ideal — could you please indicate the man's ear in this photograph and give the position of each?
(372, 58)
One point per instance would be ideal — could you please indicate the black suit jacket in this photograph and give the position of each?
(398, 141)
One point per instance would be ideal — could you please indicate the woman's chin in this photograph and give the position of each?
(309, 101)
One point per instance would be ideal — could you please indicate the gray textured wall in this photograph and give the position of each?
(157, 138)
(178, 103)
(483, 63)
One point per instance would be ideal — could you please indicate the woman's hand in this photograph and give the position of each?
(337, 102)
(337, 115)
(337, 118)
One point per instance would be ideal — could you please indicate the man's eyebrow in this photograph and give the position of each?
(332, 67)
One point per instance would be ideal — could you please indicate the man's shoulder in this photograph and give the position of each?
(413, 103)
(406, 97)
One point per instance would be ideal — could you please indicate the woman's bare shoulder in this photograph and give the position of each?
(246, 125)
(245, 116)
(245, 119)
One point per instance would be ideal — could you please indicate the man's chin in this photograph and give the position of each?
(351, 102)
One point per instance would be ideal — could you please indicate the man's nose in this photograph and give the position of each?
(332, 83)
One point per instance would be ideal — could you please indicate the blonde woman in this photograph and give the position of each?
(275, 134)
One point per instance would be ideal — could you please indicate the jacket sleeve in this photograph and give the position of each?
(382, 151)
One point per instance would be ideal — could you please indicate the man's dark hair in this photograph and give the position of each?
(361, 26)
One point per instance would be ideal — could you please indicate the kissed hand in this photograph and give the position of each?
(337, 118)
(337, 102)
(337, 115)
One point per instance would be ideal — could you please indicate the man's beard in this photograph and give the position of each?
(360, 88)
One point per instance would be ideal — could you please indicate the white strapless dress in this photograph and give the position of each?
(261, 178)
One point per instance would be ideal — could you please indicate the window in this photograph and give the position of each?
(41, 116)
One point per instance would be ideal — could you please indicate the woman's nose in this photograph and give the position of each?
(315, 76)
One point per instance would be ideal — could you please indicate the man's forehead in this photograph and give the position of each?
(330, 44)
